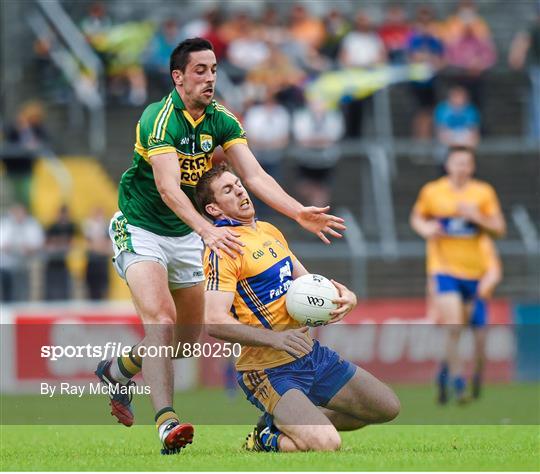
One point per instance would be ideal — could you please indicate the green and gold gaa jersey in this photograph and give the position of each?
(167, 127)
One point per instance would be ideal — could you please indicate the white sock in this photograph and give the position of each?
(117, 374)
(163, 426)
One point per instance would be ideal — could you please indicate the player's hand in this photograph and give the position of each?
(317, 221)
(346, 301)
(222, 239)
(294, 341)
(432, 229)
(469, 212)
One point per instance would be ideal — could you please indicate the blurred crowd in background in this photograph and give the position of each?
(277, 59)
(26, 248)
(277, 56)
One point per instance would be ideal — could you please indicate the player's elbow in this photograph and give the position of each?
(215, 329)
(165, 193)
(414, 223)
(500, 231)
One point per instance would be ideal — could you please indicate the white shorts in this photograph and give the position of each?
(181, 256)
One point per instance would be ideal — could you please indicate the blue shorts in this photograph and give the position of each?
(449, 284)
(468, 291)
(319, 375)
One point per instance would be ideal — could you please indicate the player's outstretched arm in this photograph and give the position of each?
(314, 219)
(222, 326)
(346, 301)
(166, 171)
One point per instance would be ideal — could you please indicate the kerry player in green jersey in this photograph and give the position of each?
(158, 234)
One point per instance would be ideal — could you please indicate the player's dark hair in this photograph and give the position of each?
(204, 194)
(180, 54)
(460, 149)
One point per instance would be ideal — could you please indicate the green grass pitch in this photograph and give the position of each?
(400, 446)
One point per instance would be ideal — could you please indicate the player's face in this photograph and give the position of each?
(199, 78)
(460, 165)
(231, 199)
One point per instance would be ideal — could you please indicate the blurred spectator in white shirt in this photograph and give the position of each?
(317, 130)
(267, 126)
(360, 48)
(21, 237)
(246, 49)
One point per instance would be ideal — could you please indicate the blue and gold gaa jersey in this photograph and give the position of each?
(259, 280)
(459, 251)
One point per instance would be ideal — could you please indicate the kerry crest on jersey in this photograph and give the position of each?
(206, 142)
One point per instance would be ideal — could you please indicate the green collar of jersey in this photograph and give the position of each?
(179, 103)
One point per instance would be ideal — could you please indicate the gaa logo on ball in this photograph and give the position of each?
(309, 299)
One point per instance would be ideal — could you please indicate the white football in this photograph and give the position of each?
(309, 299)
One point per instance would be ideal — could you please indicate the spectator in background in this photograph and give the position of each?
(337, 27)
(466, 17)
(235, 26)
(360, 48)
(271, 29)
(267, 126)
(96, 26)
(157, 56)
(525, 49)
(247, 51)
(457, 120)
(21, 238)
(470, 50)
(317, 129)
(53, 86)
(208, 27)
(213, 33)
(97, 23)
(28, 131)
(306, 29)
(98, 253)
(58, 244)
(120, 47)
(425, 47)
(303, 37)
(395, 32)
(278, 75)
(27, 137)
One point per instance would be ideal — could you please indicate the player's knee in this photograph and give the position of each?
(327, 439)
(330, 441)
(165, 319)
(393, 407)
